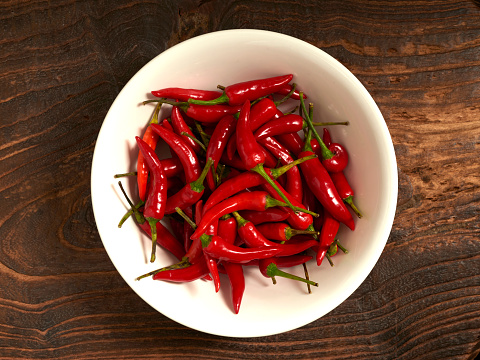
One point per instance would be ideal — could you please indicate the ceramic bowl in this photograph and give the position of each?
(227, 57)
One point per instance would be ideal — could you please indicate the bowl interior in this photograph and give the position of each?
(223, 58)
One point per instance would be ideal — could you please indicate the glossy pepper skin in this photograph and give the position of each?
(260, 113)
(260, 217)
(185, 274)
(281, 231)
(221, 250)
(190, 194)
(237, 94)
(154, 208)
(182, 94)
(237, 283)
(328, 232)
(255, 200)
(282, 125)
(345, 190)
(186, 155)
(151, 138)
(217, 143)
(321, 185)
(180, 126)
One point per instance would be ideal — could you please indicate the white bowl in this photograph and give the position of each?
(223, 58)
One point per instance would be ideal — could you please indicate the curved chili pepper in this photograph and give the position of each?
(245, 180)
(237, 94)
(237, 283)
(154, 208)
(322, 186)
(217, 143)
(297, 219)
(269, 269)
(189, 194)
(260, 113)
(293, 184)
(186, 155)
(164, 237)
(344, 190)
(282, 125)
(184, 274)
(182, 94)
(220, 249)
(202, 113)
(292, 260)
(292, 141)
(328, 232)
(180, 126)
(151, 138)
(251, 152)
(269, 215)
(249, 233)
(255, 200)
(338, 161)
(287, 89)
(281, 231)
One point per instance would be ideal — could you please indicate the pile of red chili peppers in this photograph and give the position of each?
(241, 186)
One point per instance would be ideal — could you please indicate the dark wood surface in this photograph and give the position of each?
(62, 63)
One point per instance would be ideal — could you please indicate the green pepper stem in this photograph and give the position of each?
(340, 246)
(153, 229)
(197, 185)
(326, 153)
(307, 277)
(134, 209)
(273, 270)
(240, 220)
(289, 232)
(180, 265)
(329, 123)
(288, 96)
(315, 233)
(133, 173)
(349, 201)
(329, 259)
(186, 218)
(156, 112)
(222, 99)
(199, 128)
(182, 105)
(194, 139)
(277, 172)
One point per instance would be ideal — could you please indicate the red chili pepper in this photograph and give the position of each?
(243, 181)
(292, 141)
(237, 94)
(220, 249)
(281, 231)
(269, 269)
(321, 184)
(251, 152)
(189, 194)
(260, 113)
(293, 184)
(218, 141)
(287, 89)
(180, 127)
(202, 113)
(281, 125)
(165, 238)
(182, 94)
(184, 274)
(249, 233)
(255, 200)
(186, 155)
(151, 138)
(269, 215)
(154, 208)
(292, 260)
(297, 219)
(328, 232)
(172, 167)
(227, 229)
(237, 283)
(344, 190)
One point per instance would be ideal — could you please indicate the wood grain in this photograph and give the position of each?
(64, 61)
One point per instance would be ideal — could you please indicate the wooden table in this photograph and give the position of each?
(63, 63)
